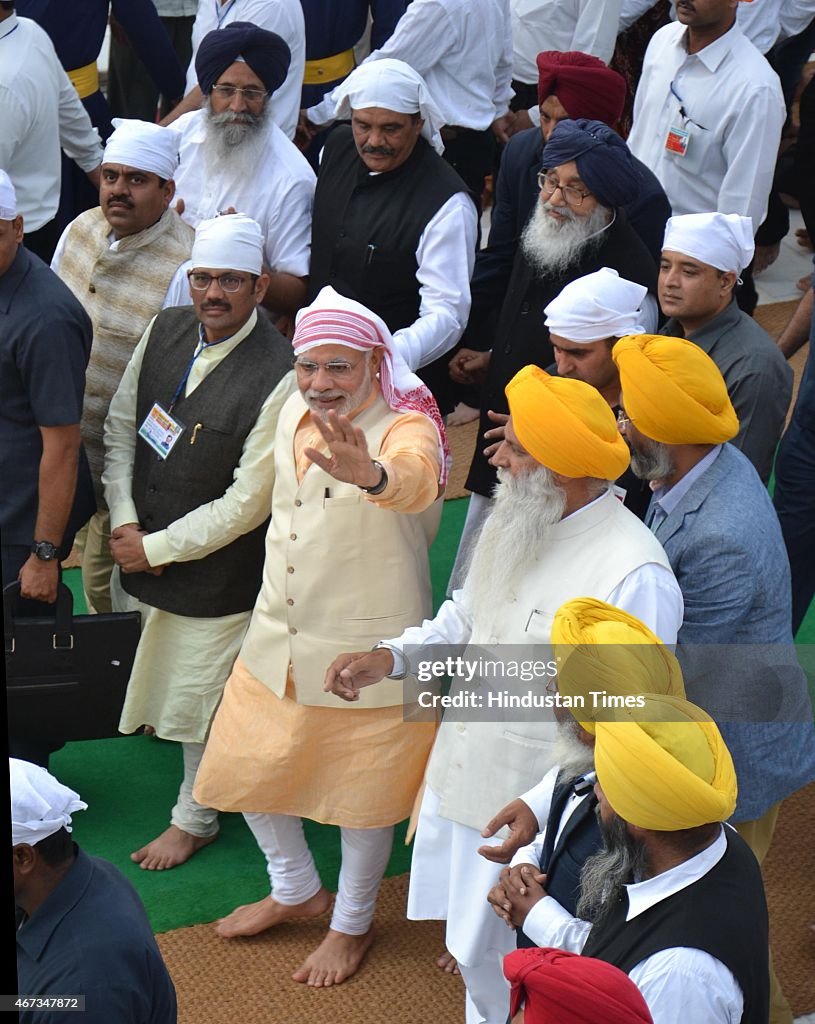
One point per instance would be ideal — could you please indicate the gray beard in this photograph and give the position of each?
(605, 873)
(653, 461)
(514, 534)
(572, 757)
(552, 247)
(240, 146)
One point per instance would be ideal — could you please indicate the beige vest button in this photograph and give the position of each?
(292, 630)
(292, 536)
(298, 503)
(290, 569)
(92, 288)
(290, 600)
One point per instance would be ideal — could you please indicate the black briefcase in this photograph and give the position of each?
(66, 676)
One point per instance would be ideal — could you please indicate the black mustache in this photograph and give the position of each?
(215, 305)
(379, 150)
(121, 199)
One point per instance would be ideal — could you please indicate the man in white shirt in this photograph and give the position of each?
(394, 226)
(119, 259)
(188, 521)
(284, 18)
(40, 114)
(463, 50)
(234, 157)
(708, 113)
(553, 509)
(675, 899)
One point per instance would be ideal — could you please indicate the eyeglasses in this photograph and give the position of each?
(622, 419)
(200, 282)
(336, 368)
(226, 92)
(551, 686)
(548, 184)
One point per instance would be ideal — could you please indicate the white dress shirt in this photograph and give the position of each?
(284, 17)
(279, 195)
(589, 26)
(40, 113)
(679, 984)
(462, 49)
(729, 99)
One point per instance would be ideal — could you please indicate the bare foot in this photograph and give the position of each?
(149, 730)
(171, 848)
(447, 962)
(336, 958)
(254, 918)
(462, 414)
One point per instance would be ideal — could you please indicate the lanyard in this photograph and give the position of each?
(682, 112)
(202, 344)
(221, 10)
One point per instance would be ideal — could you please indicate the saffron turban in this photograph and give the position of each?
(600, 647)
(265, 52)
(392, 85)
(583, 84)
(231, 242)
(603, 160)
(143, 146)
(8, 198)
(40, 805)
(722, 240)
(665, 766)
(599, 305)
(333, 319)
(556, 987)
(566, 425)
(673, 391)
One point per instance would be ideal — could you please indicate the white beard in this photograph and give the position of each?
(240, 147)
(514, 534)
(572, 756)
(552, 246)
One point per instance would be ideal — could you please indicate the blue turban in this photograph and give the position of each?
(265, 53)
(603, 160)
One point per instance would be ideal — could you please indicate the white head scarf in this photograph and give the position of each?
(40, 805)
(332, 319)
(144, 146)
(231, 242)
(722, 240)
(8, 198)
(599, 305)
(394, 85)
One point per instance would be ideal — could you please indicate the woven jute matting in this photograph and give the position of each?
(221, 981)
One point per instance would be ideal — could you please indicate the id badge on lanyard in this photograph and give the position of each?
(161, 430)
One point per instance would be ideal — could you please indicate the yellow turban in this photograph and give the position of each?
(600, 647)
(566, 425)
(673, 391)
(665, 766)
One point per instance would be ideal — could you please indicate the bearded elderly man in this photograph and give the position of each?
(675, 899)
(394, 226)
(736, 645)
(345, 553)
(188, 518)
(120, 260)
(235, 157)
(702, 257)
(557, 531)
(570, 234)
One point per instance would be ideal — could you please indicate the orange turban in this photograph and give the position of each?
(673, 391)
(602, 648)
(665, 766)
(566, 425)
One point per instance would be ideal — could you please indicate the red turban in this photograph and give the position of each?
(584, 85)
(564, 988)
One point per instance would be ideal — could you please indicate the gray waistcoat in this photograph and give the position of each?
(226, 404)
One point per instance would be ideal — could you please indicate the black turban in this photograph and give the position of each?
(265, 53)
(603, 160)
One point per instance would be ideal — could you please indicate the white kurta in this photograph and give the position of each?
(182, 663)
(588, 26)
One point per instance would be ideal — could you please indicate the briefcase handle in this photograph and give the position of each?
(62, 637)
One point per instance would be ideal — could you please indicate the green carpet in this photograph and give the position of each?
(130, 785)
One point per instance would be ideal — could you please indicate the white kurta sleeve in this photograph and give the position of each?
(446, 257)
(539, 798)
(682, 984)
(652, 594)
(178, 291)
(77, 136)
(452, 624)
(596, 28)
(548, 924)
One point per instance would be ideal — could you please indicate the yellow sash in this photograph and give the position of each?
(85, 80)
(329, 69)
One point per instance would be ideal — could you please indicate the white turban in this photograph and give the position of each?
(40, 806)
(599, 305)
(722, 240)
(394, 85)
(144, 146)
(8, 198)
(231, 242)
